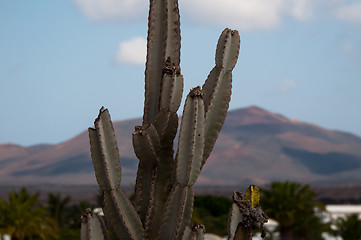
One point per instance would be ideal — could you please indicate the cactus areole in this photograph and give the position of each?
(163, 197)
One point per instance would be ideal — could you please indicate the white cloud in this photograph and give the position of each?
(350, 13)
(133, 51)
(248, 14)
(287, 85)
(112, 9)
(243, 14)
(300, 9)
(240, 14)
(353, 55)
(348, 47)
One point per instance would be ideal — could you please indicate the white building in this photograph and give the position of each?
(5, 237)
(333, 212)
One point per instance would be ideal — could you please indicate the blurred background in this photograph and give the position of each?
(294, 119)
(61, 61)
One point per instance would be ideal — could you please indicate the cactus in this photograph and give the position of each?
(93, 227)
(245, 215)
(164, 195)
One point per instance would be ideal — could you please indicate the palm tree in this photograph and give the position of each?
(350, 228)
(22, 216)
(58, 209)
(291, 205)
(76, 211)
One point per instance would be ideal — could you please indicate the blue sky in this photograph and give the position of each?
(61, 60)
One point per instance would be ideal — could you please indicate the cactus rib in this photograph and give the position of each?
(187, 234)
(228, 49)
(173, 213)
(188, 209)
(217, 88)
(146, 146)
(234, 218)
(121, 214)
(104, 151)
(93, 227)
(162, 188)
(196, 233)
(191, 139)
(173, 44)
(199, 231)
(172, 90)
(166, 124)
(163, 44)
(155, 60)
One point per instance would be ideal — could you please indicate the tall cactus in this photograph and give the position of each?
(163, 198)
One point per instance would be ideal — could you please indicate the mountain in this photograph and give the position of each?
(255, 146)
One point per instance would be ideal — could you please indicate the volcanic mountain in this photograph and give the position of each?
(255, 146)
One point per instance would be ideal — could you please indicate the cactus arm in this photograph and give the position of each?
(97, 159)
(163, 44)
(155, 59)
(187, 213)
(172, 91)
(103, 227)
(196, 233)
(187, 234)
(243, 233)
(191, 139)
(216, 109)
(217, 88)
(166, 124)
(199, 232)
(173, 43)
(146, 145)
(93, 227)
(226, 57)
(162, 188)
(122, 216)
(84, 231)
(234, 218)
(173, 213)
(228, 49)
(104, 152)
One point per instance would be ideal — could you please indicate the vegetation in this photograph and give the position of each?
(209, 210)
(57, 207)
(212, 211)
(23, 217)
(349, 228)
(291, 204)
(66, 216)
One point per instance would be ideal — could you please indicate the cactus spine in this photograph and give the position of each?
(163, 198)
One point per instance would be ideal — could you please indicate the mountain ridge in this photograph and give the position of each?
(255, 146)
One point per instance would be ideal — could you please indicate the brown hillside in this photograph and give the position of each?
(255, 146)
